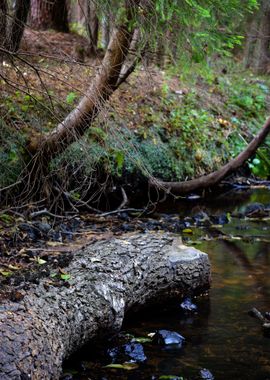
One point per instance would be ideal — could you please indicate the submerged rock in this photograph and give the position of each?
(188, 306)
(255, 210)
(168, 338)
(129, 352)
(205, 374)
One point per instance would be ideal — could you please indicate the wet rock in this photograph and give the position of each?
(66, 376)
(188, 306)
(129, 352)
(255, 210)
(168, 338)
(205, 374)
(66, 232)
(124, 216)
(55, 235)
(201, 219)
(32, 232)
(127, 227)
(44, 228)
(220, 219)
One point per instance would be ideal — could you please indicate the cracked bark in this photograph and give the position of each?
(108, 278)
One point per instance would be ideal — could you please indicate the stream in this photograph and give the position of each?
(222, 341)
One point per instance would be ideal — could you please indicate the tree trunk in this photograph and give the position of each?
(107, 279)
(18, 22)
(92, 25)
(261, 51)
(101, 88)
(51, 14)
(106, 31)
(256, 53)
(251, 38)
(3, 23)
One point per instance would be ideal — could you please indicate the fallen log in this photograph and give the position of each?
(107, 278)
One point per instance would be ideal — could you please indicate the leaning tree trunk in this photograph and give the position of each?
(101, 88)
(51, 14)
(42, 149)
(92, 25)
(107, 279)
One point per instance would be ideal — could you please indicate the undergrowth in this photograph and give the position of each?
(182, 129)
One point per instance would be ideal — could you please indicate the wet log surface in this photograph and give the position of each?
(107, 279)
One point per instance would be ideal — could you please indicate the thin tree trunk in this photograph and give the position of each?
(3, 22)
(261, 51)
(107, 279)
(92, 25)
(18, 22)
(251, 39)
(106, 31)
(256, 52)
(214, 178)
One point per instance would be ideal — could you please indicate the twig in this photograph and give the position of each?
(35, 214)
(10, 186)
(122, 210)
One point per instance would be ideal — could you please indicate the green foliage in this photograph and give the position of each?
(206, 26)
(260, 164)
(71, 97)
(11, 151)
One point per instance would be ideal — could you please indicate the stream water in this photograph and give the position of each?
(221, 337)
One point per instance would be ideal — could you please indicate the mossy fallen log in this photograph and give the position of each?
(107, 278)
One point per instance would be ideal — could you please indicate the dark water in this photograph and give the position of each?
(221, 337)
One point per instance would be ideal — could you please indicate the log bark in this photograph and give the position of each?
(215, 177)
(108, 278)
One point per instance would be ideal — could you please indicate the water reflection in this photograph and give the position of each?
(221, 337)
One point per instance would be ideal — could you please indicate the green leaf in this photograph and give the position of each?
(6, 218)
(188, 231)
(126, 366)
(142, 339)
(65, 276)
(41, 261)
(71, 97)
(256, 161)
(5, 273)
